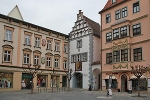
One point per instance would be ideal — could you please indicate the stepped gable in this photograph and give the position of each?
(94, 25)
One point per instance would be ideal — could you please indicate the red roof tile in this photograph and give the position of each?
(109, 4)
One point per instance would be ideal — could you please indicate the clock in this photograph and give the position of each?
(43, 60)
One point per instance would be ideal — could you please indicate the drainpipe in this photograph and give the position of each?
(101, 53)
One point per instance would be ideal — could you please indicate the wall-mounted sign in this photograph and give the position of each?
(43, 42)
(78, 66)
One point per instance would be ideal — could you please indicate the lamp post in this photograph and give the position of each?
(69, 74)
(52, 73)
(33, 72)
(138, 71)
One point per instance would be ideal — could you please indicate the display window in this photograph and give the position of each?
(6, 80)
(41, 81)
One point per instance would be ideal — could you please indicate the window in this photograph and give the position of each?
(8, 36)
(36, 60)
(79, 43)
(107, 18)
(124, 12)
(48, 44)
(84, 57)
(123, 31)
(116, 56)
(108, 37)
(56, 62)
(136, 7)
(136, 29)
(48, 62)
(26, 58)
(118, 14)
(27, 39)
(65, 48)
(78, 57)
(124, 55)
(113, 1)
(108, 58)
(37, 42)
(137, 54)
(115, 34)
(65, 64)
(7, 56)
(56, 46)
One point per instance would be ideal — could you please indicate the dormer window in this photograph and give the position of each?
(113, 1)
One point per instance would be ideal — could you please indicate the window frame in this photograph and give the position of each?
(136, 28)
(124, 55)
(108, 18)
(118, 14)
(117, 34)
(79, 43)
(124, 30)
(117, 55)
(109, 37)
(135, 5)
(124, 12)
(26, 58)
(136, 52)
(108, 58)
(10, 29)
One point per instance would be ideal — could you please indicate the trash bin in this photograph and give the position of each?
(90, 87)
(118, 90)
(130, 91)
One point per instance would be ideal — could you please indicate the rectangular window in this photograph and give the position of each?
(116, 56)
(124, 55)
(123, 32)
(108, 37)
(137, 54)
(56, 62)
(65, 48)
(109, 58)
(136, 29)
(26, 58)
(8, 36)
(56, 46)
(37, 42)
(107, 18)
(136, 7)
(74, 58)
(48, 62)
(124, 12)
(48, 44)
(78, 57)
(7, 56)
(118, 14)
(65, 64)
(113, 1)
(115, 34)
(84, 57)
(27, 39)
(79, 43)
(36, 60)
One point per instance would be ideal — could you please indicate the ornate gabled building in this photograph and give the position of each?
(125, 42)
(22, 44)
(84, 57)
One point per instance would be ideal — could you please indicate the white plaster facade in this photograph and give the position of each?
(87, 31)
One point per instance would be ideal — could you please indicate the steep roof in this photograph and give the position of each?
(109, 4)
(15, 13)
(94, 25)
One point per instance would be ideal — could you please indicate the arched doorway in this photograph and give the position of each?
(123, 83)
(96, 79)
(78, 80)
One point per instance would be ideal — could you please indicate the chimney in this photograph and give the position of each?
(80, 11)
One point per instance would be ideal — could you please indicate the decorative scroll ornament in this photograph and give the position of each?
(120, 42)
(120, 66)
(121, 47)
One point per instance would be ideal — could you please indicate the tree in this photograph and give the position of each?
(138, 71)
(33, 72)
(69, 74)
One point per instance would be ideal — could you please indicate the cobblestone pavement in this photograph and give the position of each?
(76, 94)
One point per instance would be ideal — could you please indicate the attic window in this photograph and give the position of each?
(113, 1)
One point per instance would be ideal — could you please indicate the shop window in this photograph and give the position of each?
(41, 81)
(6, 80)
(114, 83)
(143, 84)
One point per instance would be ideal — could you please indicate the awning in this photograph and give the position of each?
(113, 77)
(134, 77)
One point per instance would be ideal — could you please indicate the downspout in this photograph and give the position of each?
(101, 53)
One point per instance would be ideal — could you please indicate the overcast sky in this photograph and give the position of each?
(57, 15)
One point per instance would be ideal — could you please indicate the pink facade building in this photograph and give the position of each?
(125, 26)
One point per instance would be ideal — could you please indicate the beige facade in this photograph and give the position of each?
(125, 42)
(23, 43)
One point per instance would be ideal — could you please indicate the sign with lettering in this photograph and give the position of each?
(120, 47)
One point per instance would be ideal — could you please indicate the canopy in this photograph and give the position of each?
(134, 77)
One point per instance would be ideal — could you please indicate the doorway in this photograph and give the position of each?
(123, 83)
(96, 79)
(78, 80)
(64, 81)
